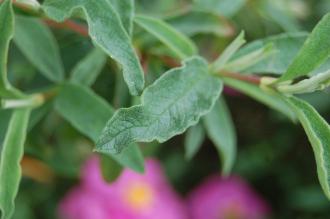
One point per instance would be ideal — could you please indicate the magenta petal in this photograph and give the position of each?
(95, 198)
(218, 198)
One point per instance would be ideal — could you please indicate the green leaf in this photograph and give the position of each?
(169, 106)
(250, 59)
(220, 129)
(271, 99)
(285, 47)
(106, 164)
(226, 8)
(193, 140)
(318, 132)
(125, 9)
(12, 153)
(279, 12)
(315, 51)
(39, 46)
(197, 22)
(88, 113)
(182, 46)
(315, 83)
(4, 120)
(107, 31)
(222, 60)
(6, 34)
(87, 70)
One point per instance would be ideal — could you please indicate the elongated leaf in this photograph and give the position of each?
(285, 46)
(197, 22)
(222, 60)
(315, 83)
(89, 113)
(273, 100)
(125, 9)
(87, 70)
(169, 106)
(39, 46)
(6, 34)
(193, 140)
(318, 132)
(250, 59)
(12, 153)
(182, 46)
(221, 131)
(315, 51)
(107, 31)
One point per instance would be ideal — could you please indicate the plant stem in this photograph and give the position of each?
(252, 79)
(70, 25)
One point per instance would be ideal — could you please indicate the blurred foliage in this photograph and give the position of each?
(273, 154)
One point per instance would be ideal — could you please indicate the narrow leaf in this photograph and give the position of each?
(107, 31)
(39, 46)
(221, 131)
(271, 99)
(6, 34)
(169, 106)
(88, 113)
(318, 132)
(222, 60)
(285, 47)
(249, 59)
(182, 46)
(12, 153)
(125, 9)
(315, 51)
(315, 83)
(87, 70)
(193, 140)
(201, 22)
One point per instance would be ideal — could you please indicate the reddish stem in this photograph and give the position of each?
(247, 78)
(69, 25)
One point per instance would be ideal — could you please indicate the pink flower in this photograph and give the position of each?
(131, 196)
(231, 198)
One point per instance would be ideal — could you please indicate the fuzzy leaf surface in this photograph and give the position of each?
(169, 106)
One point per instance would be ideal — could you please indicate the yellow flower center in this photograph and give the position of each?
(139, 195)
